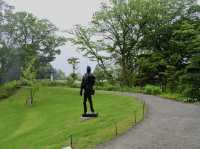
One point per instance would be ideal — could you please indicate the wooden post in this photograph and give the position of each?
(143, 108)
(71, 141)
(135, 117)
(116, 130)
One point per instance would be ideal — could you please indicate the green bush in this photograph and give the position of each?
(152, 90)
(173, 95)
(68, 83)
(108, 87)
(8, 89)
(192, 94)
(117, 87)
(135, 89)
(52, 83)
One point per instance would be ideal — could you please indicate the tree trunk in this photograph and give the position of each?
(126, 75)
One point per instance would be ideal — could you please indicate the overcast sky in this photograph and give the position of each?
(64, 14)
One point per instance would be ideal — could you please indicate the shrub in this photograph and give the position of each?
(117, 87)
(192, 94)
(152, 90)
(8, 89)
(108, 87)
(130, 89)
(52, 83)
(68, 83)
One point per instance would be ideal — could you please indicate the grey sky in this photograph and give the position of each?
(64, 14)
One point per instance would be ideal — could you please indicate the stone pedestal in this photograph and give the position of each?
(88, 116)
(68, 147)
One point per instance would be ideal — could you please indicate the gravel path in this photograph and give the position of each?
(168, 125)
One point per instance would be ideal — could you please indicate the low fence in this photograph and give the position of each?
(135, 121)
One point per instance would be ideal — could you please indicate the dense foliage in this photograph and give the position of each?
(148, 42)
(22, 35)
(8, 89)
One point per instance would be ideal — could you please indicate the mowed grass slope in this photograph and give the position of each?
(56, 114)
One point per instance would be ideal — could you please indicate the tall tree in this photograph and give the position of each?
(6, 54)
(33, 36)
(165, 61)
(122, 31)
(112, 37)
(24, 35)
(186, 38)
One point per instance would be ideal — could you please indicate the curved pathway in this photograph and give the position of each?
(168, 125)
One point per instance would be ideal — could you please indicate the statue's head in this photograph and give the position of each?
(88, 69)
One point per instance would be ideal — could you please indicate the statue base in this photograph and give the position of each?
(90, 115)
(68, 147)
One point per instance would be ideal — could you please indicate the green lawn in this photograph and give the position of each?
(56, 114)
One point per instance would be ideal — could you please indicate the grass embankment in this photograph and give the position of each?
(56, 114)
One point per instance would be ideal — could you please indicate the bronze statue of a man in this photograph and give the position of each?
(87, 84)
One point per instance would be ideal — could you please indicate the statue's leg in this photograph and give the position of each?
(84, 104)
(91, 104)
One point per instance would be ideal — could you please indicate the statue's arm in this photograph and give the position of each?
(82, 86)
(94, 80)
